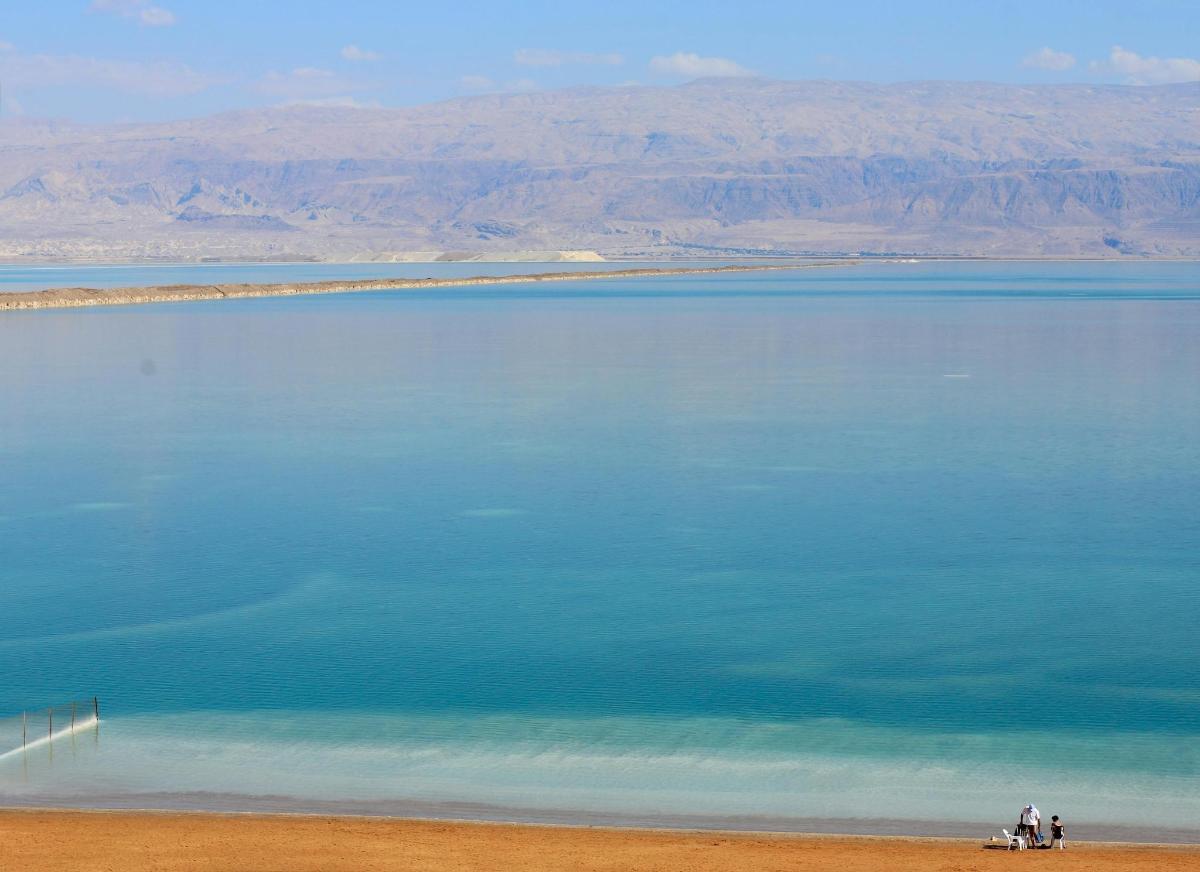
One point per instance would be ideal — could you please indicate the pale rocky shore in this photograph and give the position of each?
(63, 298)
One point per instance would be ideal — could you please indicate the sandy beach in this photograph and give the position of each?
(134, 841)
(61, 298)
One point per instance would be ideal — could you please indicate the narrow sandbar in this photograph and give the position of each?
(61, 298)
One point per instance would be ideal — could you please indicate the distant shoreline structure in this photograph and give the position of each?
(66, 298)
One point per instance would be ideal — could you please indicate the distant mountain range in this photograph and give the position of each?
(718, 165)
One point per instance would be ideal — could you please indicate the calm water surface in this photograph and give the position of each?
(905, 541)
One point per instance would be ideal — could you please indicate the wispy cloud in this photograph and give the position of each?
(344, 102)
(693, 66)
(1139, 70)
(476, 83)
(354, 53)
(485, 85)
(546, 57)
(152, 78)
(143, 11)
(306, 83)
(1047, 58)
(156, 16)
(6, 46)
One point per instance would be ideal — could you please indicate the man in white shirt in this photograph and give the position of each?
(1031, 823)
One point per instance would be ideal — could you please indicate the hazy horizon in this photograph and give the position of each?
(586, 88)
(161, 60)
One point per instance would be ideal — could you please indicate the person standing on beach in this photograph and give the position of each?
(1029, 823)
(1058, 833)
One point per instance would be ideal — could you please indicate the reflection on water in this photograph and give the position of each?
(699, 544)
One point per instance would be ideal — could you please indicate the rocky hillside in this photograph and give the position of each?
(720, 165)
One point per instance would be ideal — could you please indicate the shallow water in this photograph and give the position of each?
(904, 541)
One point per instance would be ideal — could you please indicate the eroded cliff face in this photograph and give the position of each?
(773, 166)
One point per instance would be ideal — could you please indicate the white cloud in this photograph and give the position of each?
(1140, 70)
(153, 78)
(306, 83)
(142, 10)
(544, 57)
(1047, 58)
(354, 53)
(693, 66)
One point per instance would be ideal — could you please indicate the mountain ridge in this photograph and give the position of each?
(716, 164)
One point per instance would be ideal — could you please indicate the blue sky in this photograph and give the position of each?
(108, 60)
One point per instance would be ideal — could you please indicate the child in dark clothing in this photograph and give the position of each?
(1058, 832)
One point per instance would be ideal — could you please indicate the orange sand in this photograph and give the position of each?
(132, 842)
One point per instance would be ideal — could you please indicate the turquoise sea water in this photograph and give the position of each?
(915, 541)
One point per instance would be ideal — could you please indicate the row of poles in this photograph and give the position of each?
(50, 713)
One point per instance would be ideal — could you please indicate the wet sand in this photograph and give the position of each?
(135, 841)
(59, 298)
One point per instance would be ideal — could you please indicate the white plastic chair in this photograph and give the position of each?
(1017, 842)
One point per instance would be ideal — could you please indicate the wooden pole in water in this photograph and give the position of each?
(72, 717)
(96, 707)
(24, 726)
(50, 711)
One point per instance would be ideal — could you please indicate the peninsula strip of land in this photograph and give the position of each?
(61, 298)
(49, 841)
